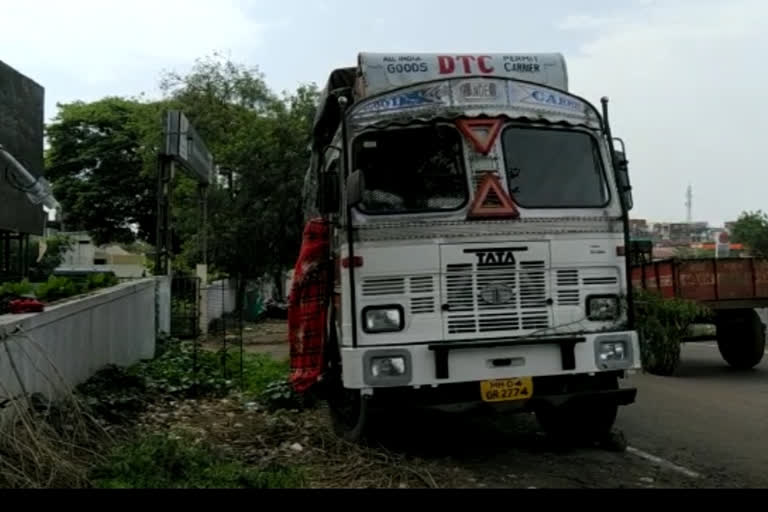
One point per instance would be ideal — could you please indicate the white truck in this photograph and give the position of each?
(479, 217)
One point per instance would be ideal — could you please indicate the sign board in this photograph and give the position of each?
(383, 72)
(474, 97)
(184, 144)
(21, 134)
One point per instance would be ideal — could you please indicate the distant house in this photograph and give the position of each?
(86, 256)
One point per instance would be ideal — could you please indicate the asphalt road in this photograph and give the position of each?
(708, 417)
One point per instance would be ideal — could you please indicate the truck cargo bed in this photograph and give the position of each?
(725, 283)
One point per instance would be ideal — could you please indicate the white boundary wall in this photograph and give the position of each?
(72, 341)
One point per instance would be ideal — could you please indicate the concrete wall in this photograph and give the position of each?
(221, 298)
(72, 341)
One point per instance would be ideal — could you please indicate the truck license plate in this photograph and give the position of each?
(507, 390)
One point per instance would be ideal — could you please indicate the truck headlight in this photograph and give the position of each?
(387, 368)
(382, 367)
(604, 308)
(383, 319)
(612, 351)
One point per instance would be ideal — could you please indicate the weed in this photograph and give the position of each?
(181, 369)
(163, 462)
(114, 395)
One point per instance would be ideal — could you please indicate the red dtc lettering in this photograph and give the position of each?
(484, 66)
(447, 65)
(467, 61)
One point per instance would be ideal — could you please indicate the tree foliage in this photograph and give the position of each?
(751, 229)
(99, 162)
(102, 161)
(55, 248)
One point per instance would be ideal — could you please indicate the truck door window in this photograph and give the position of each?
(554, 168)
(411, 170)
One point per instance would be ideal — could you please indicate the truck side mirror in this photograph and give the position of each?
(355, 187)
(329, 183)
(621, 164)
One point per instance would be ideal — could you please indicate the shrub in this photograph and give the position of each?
(662, 323)
(279, 394)
(56, 288)
(16, 289)
(96, 281)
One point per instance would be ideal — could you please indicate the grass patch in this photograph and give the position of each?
(162, 462)
(261, 370)
(182, 370)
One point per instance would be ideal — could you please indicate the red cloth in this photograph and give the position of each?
(21, 306)
(308, 306)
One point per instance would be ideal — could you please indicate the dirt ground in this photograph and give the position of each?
(267, 337)
(433, 450)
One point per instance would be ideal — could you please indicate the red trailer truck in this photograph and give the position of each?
(732, 288)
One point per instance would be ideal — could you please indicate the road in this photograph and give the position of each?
(708, 417)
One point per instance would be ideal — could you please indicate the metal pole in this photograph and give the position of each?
(240, 310)
(624, 218)
(203, 193)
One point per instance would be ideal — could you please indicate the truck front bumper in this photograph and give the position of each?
(441, 363)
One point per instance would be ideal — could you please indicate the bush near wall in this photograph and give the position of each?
(57, 288)
(662, 324)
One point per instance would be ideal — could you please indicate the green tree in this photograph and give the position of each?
(53, 256)
(100, 162)
(751, 229)
(261, 140)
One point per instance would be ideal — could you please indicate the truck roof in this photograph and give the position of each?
(382, 72)
(378, 73)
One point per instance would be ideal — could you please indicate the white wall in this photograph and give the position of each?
(74, 340)
(221, 299)
(163, 304)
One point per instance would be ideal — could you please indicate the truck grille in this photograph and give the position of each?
(568, 293)
(419, 290)
(501, 298)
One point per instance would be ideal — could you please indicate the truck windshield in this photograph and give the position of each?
(411, 170)
(554, 168)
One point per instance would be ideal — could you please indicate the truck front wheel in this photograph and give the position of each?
(578, 423)
(348, 409)
(740, 338)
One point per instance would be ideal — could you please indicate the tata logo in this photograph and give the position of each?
(486, 259)
(494, 257)
(497, 294)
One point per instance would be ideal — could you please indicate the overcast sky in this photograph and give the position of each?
(688, 79)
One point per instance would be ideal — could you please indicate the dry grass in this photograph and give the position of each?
(292, 438)
(44, 443)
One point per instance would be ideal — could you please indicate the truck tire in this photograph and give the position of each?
(740, 338)
(348, 409)
(349, 414)
(579, 424)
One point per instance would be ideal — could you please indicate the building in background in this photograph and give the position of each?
(85, 256)
(21, 135)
